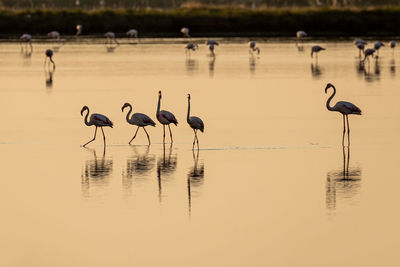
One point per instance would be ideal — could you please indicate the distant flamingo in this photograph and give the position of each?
(316, 49)
(97, 120)
(300, 35)
(361, 47)
(195, 123)
(358, 41)
(368, 52)
(345, 108)
(377, 46)
(133, 34)
(191, 46)
(26, 38)
(49, 56)
(211, 44)
(253, 47)
(78, 29)
(165, 118)
(185, 32)
(54, 35)
(138, 119)
(392, 44)
(110, 38)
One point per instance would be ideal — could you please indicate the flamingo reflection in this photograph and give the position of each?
(343, 184)
(49, 78)
(195, 178)
(316, 71)
(392, 67)
(166, 165)
(211, 66)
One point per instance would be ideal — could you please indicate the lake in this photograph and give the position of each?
(270, 186)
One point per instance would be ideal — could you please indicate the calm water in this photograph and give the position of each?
(270, 186)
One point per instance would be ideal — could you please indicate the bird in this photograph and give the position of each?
(97, 120)
(185, 32)
(26, 38)
(368, 52)
(49, 56)
(361, 47)
(211, 44)
(315, 49)
(392, 44)
(191, 46)
(377, 46)
(253, 47)
(195, 123)
(110, 37)
(165, 118)
(54, 35)
(78, 29)
(133, 34)
(138, 119)
(358, 40)
(345, 108)
(300, 35)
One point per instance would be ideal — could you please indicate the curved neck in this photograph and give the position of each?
(188, 113)
(88, 123)
(330, 98)
(158, 106)
(129, 112)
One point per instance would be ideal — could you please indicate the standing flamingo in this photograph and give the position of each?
(138, 119)
(165, 118)
(27, 39)
(211, 44)
(377, 46)
(195, 123)
(185, 32)
(110, 38)
(300, 35)
(368, 52)
(49, 55)
(343, 107)
(54, 35)
(315, 49)
(253, 47)
(191, 46)
(132, 34)
(78, 29)
(97, 120)
(392, 44)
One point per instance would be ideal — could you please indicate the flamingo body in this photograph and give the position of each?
(316, 49)
(26, 37)
(54, 34)
(185, 32)
(253, 47)
(110, 35)
(378, 45)
(357, 41)
(392, 44)
(368, 52)
(192, 46)
(301, 34)
(133, 33)
(78, 29)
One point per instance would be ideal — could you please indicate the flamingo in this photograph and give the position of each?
(165, 118)
(78, 29)
(195, 123)
(132, 33)
(378, 45)
(185, 32)
(392, 44)
(368, 52)
(211, 44)
(315, 49)
(358, 40)
(191, 46)
(97, 120)
(252, 46)
(343, 107)
(49, 55)
(110, 37)
(26, 38)
(300, 35)
(138, 119)
(361, 47)
(54, 35)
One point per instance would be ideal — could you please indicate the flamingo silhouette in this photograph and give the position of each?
(138, 119)
(97, 120)
(253, 47)
(195, 123)
(49, 55)
(165, 118)
(345, 108)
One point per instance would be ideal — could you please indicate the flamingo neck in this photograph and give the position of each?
(188, 112)
(158, 106)
(88, 123)
(129, 112)
(329, 99)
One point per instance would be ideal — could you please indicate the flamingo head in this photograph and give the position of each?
(159, 94)
(83, 109)
(124, 106)
(189, 96)
(329, 85)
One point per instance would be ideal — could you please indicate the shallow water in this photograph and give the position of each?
(271, 184)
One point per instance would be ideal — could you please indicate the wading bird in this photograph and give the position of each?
(191, 46)
(300, 35)
(253, 47)
(368, 52)
(54, 35)
(185, 32)
(165, 118)
(49, 58)
(195, 123)
(377, 46)
(345, 108)
(392, 44)
(27, 39)
(110, 38)
(78, 29)
(138, 119)
(132, 34)
(97, 120)
(361, 47)
(211, 44)
(316, 49)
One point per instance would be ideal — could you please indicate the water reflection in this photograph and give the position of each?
(191, 65)
(368, 72)
(137, 166)
(252, 64)
(211, 65)
(96, 172)
(392, 67)
(342, 184)
(49, 78)
(316, 71)
(195, 179)
(166, 165)
(300, 47)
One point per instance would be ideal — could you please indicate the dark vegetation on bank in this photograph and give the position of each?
(204, 21)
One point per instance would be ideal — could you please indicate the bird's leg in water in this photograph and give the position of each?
(134, 135)
(148, 137)
(348, 130)
(170, 133)
(163, 133)
(344, 129)
(95, 131)
(104, 137)
(194, 140)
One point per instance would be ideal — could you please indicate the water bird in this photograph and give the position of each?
(358, 40)
(211, 44)
(133, 34)
(78, 29)
(300, 35)
(165, 118)
(377, 46)
(54, 35)
(368, 52)
(361, 47)
(49, 56)
(392, 44)
(253, 47)
(316, 49)
(110, 38)
(27, 39)
(191, 46)
(138, 119)
(185, 32)
(345, 108)
(195, 123)
(97, 120)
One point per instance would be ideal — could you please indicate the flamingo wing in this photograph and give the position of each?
(197, 123)
(169, 116)
(101, 120)
(348, 108)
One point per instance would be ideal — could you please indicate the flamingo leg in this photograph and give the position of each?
(170, 133)
(95, 132)
(348, 130)
(344, 130)
(164, 134)
(104, 137)
(134, 135)
(198, 146)
(194, 140)
(148, 137)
